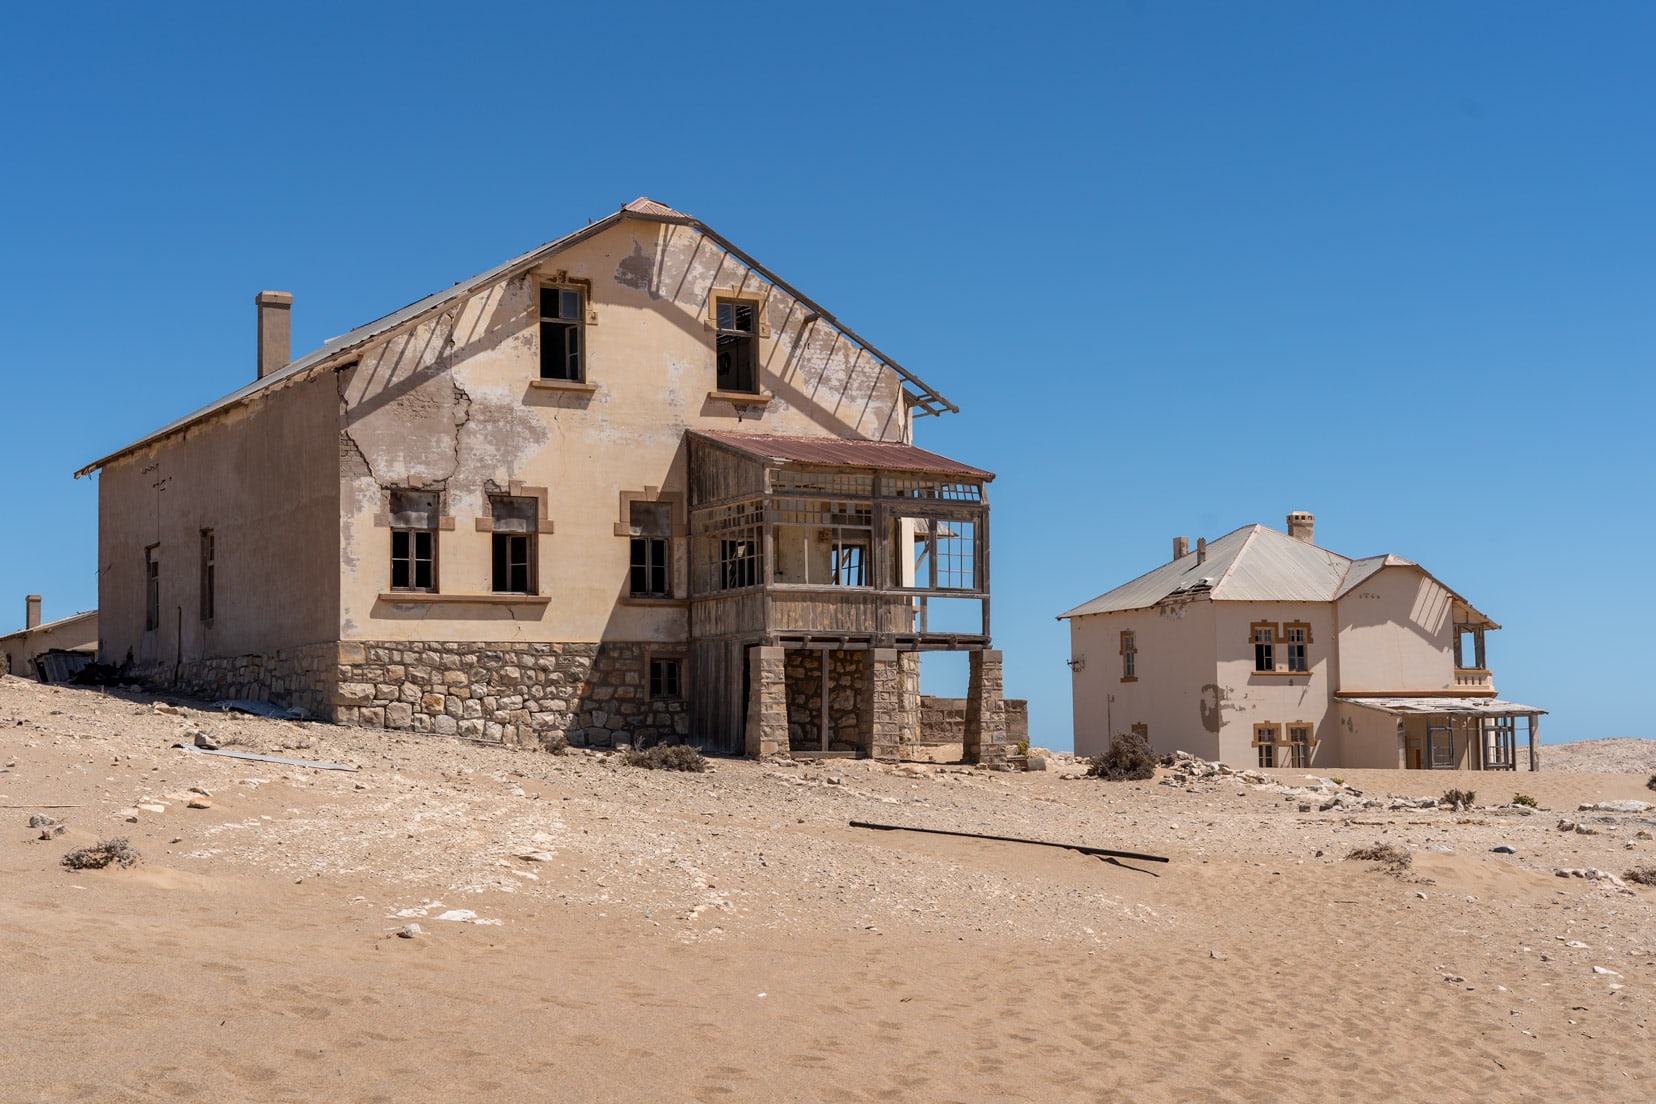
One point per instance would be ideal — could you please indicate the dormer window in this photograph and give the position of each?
(563, 345)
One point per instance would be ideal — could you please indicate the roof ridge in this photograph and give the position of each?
(1237, 558)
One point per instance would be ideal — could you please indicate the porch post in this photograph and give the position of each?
(882, 722)
(985, 736)
(767, 719)
(1534, 733)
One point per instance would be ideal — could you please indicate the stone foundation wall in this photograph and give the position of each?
(301, 677)
(943, 720)
(595, 695)
(848, 688)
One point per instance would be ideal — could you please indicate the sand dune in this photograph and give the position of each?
(639, 935)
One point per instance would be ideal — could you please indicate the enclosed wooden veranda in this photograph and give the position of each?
(820, 569)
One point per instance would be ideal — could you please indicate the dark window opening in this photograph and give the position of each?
(738, 564)
(649, 566)
(849, 563)
(737, 347)
(207, 573)
(1297, 638)
(1264, 642)
(561, 334)
(152, 588)
(666, 678)
(516, 520)
(414, 516)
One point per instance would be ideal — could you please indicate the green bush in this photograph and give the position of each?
(679, 757)
(1525, 799)
(1128, 760)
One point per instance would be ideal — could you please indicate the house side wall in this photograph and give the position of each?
(1248, 698)
(265, 478)
(1368, 738)
(72, 634)
(1396, 633)
(1174, 694)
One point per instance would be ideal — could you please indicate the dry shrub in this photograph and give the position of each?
(1457, 799)
(1128, 760)
(1651, 785)
(1525, 799)
(1393, 857)
(555, 743)
(1642, 875)
(679, 757)
(101, 854)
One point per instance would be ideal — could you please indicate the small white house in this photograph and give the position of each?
(1262, 649)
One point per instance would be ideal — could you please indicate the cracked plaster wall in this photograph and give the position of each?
(1176, 659)
(453, 406)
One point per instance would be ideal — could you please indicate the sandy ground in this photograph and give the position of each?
(621, 934)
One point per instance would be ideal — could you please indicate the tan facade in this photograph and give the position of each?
(473, 517)
(18, 650)
(1263, 650)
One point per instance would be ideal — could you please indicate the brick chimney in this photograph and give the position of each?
(1181, 547)
(1300, 526)
(275, 339)
(31, 610)
(1201, 550)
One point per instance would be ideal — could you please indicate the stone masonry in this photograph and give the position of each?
(518, 694)
(847, 693)
(301, 678)
(984, 738)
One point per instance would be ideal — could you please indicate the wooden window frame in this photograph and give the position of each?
(584, 316)
(1129, 655)
(674, 543)
(1267, 737)
(209, 571)
(728, 389)
(152, 587)
(440, 521)
(1254, 630)
(1299, 751)
(1288, 628)
(505, 546)
(657, 690)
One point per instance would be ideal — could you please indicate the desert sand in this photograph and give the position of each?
(592, 931)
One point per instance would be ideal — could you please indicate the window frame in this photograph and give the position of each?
(411, 537)
(733, 336)
(575, 324)
(152, 587)
(515, 549)
(1129, 655)
(209, 572)
(1299, 751)
(656, 681)
(1297, 651)
(1264, 657)
(1267, 737)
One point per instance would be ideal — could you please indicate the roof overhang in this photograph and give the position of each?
(840, 452)
(1425, 706)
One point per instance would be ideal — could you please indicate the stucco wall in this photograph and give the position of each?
(455, 406)
(70, 634)
(1397, 633)
(1175, 694)
(264, 478)
(1368, 738)
(1249, 698)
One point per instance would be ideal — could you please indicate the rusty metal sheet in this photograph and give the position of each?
(841, 452)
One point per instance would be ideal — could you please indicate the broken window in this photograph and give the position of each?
(823, 542)
(152, 588)
(737, 345)
(414, 516)
(561, 334)
(1266, 737)
(515, 521)
(1263, 636)
(652, 525)
(725, 555)
(666, 679)
(1469, 647)
(1129, 655)
(738, 563)
(1296, 635)
(943, 553)
(207, 572)
(1299, 745)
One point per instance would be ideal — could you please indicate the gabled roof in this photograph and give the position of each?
(1252, 564)
(48, 626)
(840, 452)
(340, 350)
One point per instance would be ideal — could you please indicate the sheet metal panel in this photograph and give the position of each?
(840, 452)
(1483, 707)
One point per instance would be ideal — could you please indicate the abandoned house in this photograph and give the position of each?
(49, 652)
(1262, 649)
(628, 486)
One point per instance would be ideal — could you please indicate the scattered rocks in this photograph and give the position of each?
(1615, 807)
(1504, 849)
(409, 931)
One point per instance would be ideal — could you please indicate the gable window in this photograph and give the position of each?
(1266, 738)
(1129, 656)
(413, 517)
(515, 522)
(1296, 635)
(666, 679)
(562, 338)
(652, 525)
(207, 572)
(1263, 635)
(1299, 745)
(737, 346)
(152, 588)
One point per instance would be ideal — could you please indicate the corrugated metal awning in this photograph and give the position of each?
(842, 453)
(1482, 707)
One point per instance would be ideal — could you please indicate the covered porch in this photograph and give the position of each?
(1459, 733)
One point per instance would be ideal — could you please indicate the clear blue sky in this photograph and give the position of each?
(1184, 267)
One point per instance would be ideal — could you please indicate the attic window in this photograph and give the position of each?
(737, 346)
(562, 352)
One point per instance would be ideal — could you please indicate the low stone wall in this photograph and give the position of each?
(943, 720)
(301, 677)
(595, 695)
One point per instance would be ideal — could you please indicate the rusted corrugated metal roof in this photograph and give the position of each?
(841, 452)
(644, 205)
(1482, 707)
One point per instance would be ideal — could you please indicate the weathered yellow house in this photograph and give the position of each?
(1260, 648)
(628, 486)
